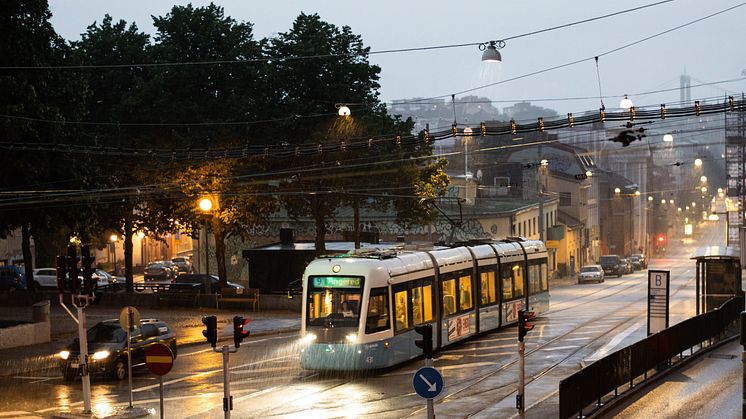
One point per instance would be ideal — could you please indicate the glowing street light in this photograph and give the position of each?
(626, 103)
(703, 179)
(698, 162)
(205, 204)
(650, 198)
(617, 190)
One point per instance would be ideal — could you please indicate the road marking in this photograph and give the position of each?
(491, 354)
(574, 339)
(17, 414)
(604, 350)
(235, 400)
(205, 373)
(560, 348)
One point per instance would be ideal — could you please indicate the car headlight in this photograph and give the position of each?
(101, 355)
(308, 338)
(64, 354)
(352, 337)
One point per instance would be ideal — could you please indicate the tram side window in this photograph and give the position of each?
(517, 279)
(378, 311)
(449, 296)
(487, 279)
(401, 311)
(534, 279)
(464, 285)
(422, 302)
(506, 276)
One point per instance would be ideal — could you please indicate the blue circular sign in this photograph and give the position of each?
(427, 382)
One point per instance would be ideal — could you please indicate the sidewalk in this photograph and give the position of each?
(186, 322)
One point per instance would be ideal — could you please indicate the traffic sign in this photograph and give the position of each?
(427, 382)
(159, 359)
(129, 318)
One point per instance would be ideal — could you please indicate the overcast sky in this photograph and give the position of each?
(709, 51)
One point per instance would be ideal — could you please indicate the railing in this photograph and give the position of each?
(588, 389)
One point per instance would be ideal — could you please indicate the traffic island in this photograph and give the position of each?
(113, 412)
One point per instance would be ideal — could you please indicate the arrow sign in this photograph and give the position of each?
(428, 383)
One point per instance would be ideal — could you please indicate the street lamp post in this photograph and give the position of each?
(114, 239)
(205, 205)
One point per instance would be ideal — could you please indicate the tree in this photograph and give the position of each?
(35, 105)
(116, 95)
(341, 172)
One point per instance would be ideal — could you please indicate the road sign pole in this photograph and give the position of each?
(160, 387)
(519, 401)
(83, 362)
(130, 322)
(227, 400)
(430, 407)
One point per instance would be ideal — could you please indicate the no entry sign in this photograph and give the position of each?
(159, 359)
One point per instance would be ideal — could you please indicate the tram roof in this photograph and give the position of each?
(716, 252)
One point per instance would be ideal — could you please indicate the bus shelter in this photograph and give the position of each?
(718, 276)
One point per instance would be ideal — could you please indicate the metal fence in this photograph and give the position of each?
(586, 390)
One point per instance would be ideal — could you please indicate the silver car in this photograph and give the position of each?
(591, 273)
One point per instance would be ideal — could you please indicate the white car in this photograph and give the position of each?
(591, 273)
(47, 277)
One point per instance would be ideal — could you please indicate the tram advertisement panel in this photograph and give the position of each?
(511, 310)
(457, 327)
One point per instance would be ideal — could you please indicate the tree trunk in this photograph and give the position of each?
(356, 222)
(28, 262)
(219, 235)
(320, 220)
(128, 277)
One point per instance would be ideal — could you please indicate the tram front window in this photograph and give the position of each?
(334, 301)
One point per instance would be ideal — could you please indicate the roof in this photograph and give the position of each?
(716, 252)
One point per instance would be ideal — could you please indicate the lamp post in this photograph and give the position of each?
(205, 205)
(113, 238)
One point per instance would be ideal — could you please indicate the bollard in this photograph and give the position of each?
(40, 311)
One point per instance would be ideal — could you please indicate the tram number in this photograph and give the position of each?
(658, 280)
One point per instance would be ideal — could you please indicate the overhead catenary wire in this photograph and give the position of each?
(320, 56)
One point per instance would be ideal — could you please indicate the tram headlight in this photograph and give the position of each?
(64, 354)
(351, 338)
(308, 338)
(101, 355)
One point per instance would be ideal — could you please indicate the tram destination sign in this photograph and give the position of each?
(658, 286)
(336, 282)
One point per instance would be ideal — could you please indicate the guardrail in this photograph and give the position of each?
(600, 382)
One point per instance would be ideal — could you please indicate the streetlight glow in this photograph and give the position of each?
(698, 162)
(113, 238)
(617, 190)
(703, 189)
(588, 173)
(626, 103)
(343, 111)
(703, 179)
(650, 198)
(205, 204)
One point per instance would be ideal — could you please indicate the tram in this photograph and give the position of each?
(360, 308)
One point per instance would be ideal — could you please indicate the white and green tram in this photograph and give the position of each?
(360, 309)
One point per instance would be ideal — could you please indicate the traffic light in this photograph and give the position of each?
(87, 264)
(426, 343)
(661, 239)
(211, 331)
(523, 325)
(239, 330)
(61, 274)
(72, 269)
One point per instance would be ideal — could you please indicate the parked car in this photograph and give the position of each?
(158, 271)
(173, 267)
(591, 273)
(47, 277)
(12, 278)
(202, 278)
(626, 266)
(635, 261)
(107, 348)
(184, 264)
(643, 260)
(611, 265)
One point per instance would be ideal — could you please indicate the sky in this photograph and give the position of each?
(708, 51)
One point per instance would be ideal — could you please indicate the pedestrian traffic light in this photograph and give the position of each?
(661, 239)
(426, 343)
(523, 325)
(61, 274)
(211, 329)
(87, 264)
(72, 269)
(239, 330)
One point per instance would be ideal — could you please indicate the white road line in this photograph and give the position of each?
(560, 348)
(604, 350)
(205, 373)
(574, 339)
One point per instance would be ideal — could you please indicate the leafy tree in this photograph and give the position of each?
(34, 105)
(116, 96)
(337, 174)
